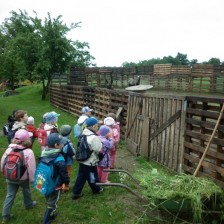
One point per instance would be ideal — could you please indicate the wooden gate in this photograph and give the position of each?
(155, 128)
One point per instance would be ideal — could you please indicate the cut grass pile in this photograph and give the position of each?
(159, 183)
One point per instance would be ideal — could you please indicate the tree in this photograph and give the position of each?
(41, 47)
(214, 61)
(182, 58)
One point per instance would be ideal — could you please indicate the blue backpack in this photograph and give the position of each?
(67, 151)
(44, 179)
(77, 130)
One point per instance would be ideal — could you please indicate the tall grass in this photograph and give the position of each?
(109, 207)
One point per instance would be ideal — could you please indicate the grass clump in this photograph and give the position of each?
(159, 183)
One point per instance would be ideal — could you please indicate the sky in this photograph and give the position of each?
(121, 31)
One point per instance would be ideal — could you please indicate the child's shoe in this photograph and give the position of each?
(7, 219)
(77, 196)
(34, 203)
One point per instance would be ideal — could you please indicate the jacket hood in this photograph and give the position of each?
(19, 124)
(82, 119)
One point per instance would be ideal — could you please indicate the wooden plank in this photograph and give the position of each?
(131, 146)
(204, 137)
(203, 113)
(166, 124)
(205, 124)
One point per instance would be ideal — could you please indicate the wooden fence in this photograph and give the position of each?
(201, 117)
(155, 128)
(198, 78)
(171, 130)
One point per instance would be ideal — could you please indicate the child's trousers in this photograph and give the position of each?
(12, 188)
(103, 176)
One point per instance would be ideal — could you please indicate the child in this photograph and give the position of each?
(31, 128)
(108, 144)
(68, 150)
(80, 126)
(88, 169)
(51, 119)
(49, 124)
(55, 143)
(115, 127)
(20, 123)
(22, 142)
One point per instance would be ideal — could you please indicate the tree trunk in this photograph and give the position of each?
(48, 83)
(44, 94)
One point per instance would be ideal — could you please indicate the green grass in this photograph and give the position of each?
(108, 207)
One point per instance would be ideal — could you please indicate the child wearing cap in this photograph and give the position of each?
(68, 150)
(30, 127)
(80, 126)
(115, 127)
(88, 169)
(51, 120)
(21, 141)
(108, 144)
(55, 143)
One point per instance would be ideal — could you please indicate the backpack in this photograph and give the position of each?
(45, 178)
(77, 130)
(83, 151)
(8, 126)
(42, 137)
(11, 133)
(14, 165)
(67, 151)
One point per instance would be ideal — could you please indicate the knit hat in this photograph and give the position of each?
(91, 121)
(51, 117)
(55, 138)
(86, 109)
(22, 135)
(30, 120)
(65, 130)
(109, 121)
(104, 130)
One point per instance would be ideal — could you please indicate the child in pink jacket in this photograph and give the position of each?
(115, 127)
(21, 141)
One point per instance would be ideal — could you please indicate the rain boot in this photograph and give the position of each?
(47, 216)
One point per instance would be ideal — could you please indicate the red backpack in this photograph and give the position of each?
(42, 137)
(14, 165)
(42, 134)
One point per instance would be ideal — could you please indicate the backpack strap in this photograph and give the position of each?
(59, 158)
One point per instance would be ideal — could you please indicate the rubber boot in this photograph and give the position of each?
(47, 216)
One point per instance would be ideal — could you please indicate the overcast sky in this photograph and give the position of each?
(136, 30)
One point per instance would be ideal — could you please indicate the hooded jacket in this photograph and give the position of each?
(95, 145)
(29, 161)
(48, 156)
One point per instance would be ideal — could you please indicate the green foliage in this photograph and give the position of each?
(34, 49)
(180, 59)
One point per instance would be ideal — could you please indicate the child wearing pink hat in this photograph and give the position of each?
(21, 142)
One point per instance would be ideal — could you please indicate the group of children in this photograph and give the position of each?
(106, 137)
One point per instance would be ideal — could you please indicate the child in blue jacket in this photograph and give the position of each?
(55, 143)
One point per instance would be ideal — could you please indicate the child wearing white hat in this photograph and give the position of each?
(115, 127)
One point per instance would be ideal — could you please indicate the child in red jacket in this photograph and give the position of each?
(30, 127)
